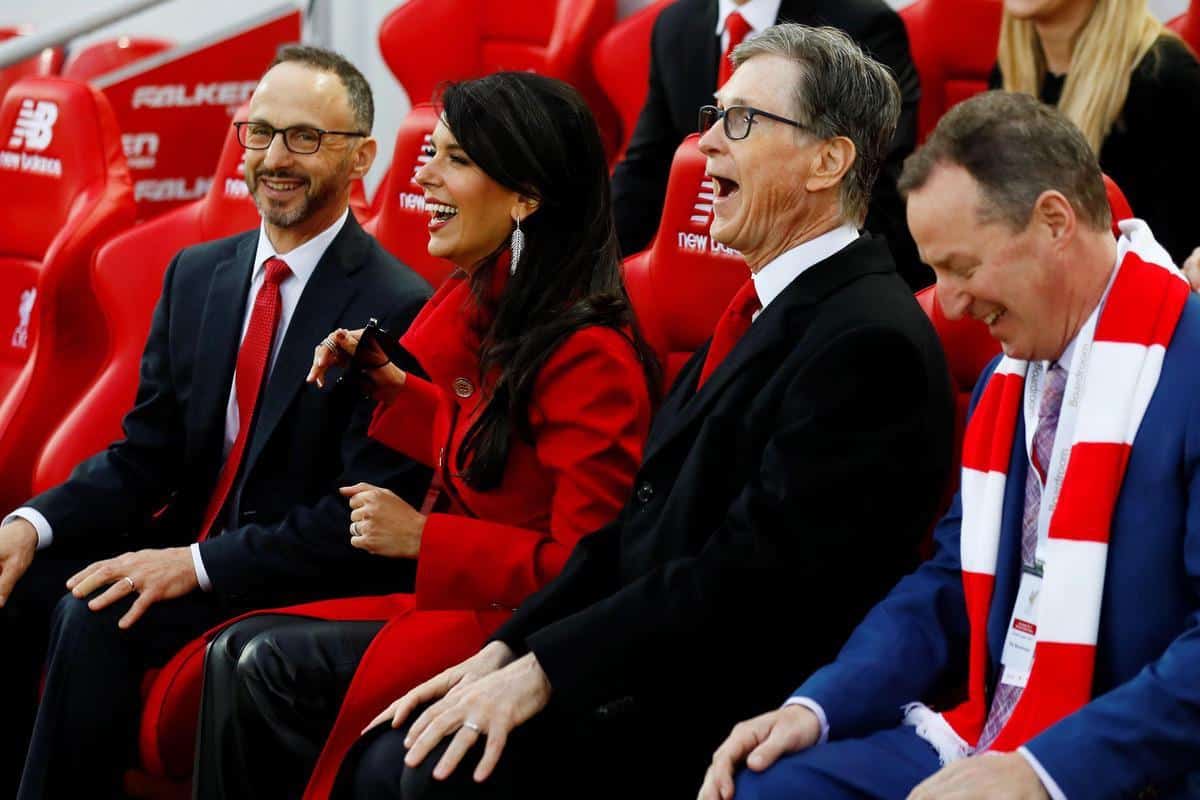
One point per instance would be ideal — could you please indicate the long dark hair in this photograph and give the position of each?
(535, 135)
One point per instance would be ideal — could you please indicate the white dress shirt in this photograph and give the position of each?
(775, 276)
(303, 262)
(759, 15)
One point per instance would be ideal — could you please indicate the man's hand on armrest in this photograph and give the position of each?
(760, 742)
(18, 543)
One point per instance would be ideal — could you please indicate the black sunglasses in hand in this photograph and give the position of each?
(376, 348)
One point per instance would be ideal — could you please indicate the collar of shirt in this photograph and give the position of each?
(776, 275)
(760, 14)
(303, 260)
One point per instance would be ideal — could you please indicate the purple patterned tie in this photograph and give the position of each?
(1055, 381)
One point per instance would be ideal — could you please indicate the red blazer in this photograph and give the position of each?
(590, 414)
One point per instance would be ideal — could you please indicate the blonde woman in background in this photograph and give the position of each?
(1130, 85)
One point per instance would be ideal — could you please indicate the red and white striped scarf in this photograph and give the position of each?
(1121, 366)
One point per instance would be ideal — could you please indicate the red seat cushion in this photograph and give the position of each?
(621, 63)
(100, 58)
(127, 278)
(953, 45)
(47, 62)
(1187, 25)
(682, 283)
(66, 191)
(550, 37)
(401, 225)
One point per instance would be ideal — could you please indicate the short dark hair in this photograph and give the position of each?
(1015, 148)
(842, 92)
(358, 91)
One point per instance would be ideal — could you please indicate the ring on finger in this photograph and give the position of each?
(354, 529)
(472, 726)
(132, 585)
(333, 348)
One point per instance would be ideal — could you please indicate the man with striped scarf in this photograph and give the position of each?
(1050, 648)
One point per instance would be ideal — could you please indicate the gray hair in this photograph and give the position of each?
(358, 91)
(842, 92)
(1015, 148)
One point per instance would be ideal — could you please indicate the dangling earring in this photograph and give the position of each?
(516, 245)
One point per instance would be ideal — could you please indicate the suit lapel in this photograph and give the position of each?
(217, 344)
(319, 311)
(781, 324)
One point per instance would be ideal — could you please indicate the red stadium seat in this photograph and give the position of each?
(680, 285)
(100, 58)
(1187, 25)
(66, 191)
(401, 225)
(47, 62)
(1118, 203)
(127, 276)
(550, 37)
(954, 48)
(621, 63)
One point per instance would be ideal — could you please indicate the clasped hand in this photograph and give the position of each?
(489, 694)
(383, 523)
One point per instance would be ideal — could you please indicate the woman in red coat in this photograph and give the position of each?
(533, 418)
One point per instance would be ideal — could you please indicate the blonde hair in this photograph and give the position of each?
(1115, 38)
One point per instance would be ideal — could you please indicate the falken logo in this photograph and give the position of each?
(20, 336)
(35, 125)
(229, 93)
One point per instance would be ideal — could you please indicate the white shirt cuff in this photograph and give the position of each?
(198, 565)
(1047, 781)
(815, 707)
(34, 517)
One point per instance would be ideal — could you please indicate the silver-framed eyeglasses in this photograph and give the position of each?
(302, 140)
(739, 120)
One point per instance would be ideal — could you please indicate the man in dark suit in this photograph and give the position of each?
(786, 481)
(686, 49)
(226, 448)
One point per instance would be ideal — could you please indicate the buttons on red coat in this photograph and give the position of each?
(463, 388)
(645, 492)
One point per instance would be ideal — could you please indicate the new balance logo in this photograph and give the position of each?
(423, 157)
(702, 211)
(35, 124)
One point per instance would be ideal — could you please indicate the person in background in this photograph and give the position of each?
(689, 60)
(1129, 84)
(534, 417)
(222, 495)
(788, 479)
(1061, 597)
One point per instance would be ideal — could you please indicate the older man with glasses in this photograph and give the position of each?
(222, 496)
(788, 477)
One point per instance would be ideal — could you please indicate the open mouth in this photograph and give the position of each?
(439, 213)
(724, 187)
(280, 185)
(994, 317)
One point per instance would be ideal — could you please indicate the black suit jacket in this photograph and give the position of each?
(288, 533)
(684, 56)
(771, 511)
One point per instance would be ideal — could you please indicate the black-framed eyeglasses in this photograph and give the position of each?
(739, 120)
(302, 140)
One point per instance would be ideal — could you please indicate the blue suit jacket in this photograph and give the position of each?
(1143, 725)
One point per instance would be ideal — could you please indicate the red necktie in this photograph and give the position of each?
(248, 380)
(737, 28)
(732, 326)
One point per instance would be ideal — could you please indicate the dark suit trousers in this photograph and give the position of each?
(84, 732)
(273, 684)
(617, 751)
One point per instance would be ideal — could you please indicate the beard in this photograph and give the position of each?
(315, 197)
